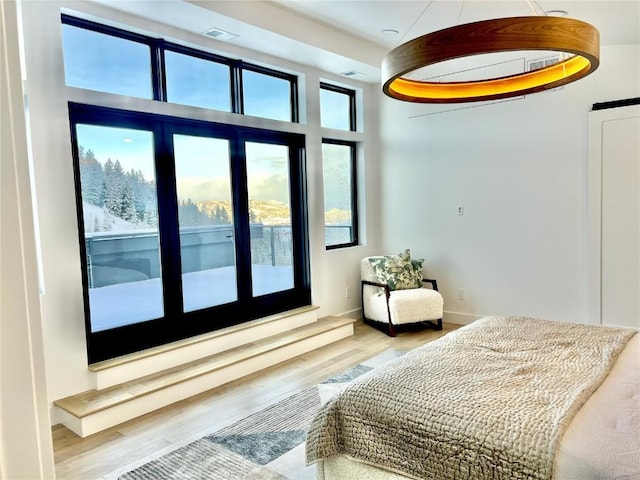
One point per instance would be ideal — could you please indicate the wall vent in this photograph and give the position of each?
(543, 62)
(220, 34)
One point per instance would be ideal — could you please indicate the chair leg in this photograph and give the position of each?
(392, 330)
(439, 324)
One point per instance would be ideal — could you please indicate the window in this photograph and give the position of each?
(186, 226)
(340, 206)
(118, 196)
(268, 188)
(97, 61)
(338, 112)
(198, 82)
(269, 95)
(205, 216)
(337, 107)
(108, 59)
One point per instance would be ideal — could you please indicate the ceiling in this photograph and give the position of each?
(618, 21)
(339, 36)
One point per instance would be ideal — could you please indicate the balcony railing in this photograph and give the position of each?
(125, 269)
(114, 258)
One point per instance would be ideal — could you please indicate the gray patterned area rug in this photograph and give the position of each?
(268, 445)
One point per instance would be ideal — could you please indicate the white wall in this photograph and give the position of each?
(25, 439)
(519, 168)
(62, 308)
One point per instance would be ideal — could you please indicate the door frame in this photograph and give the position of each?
(597, 119)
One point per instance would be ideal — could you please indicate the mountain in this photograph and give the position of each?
(262, 211)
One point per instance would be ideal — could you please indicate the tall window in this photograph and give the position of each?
(186, 226)
(118, 194)
(268, 188)
(340, 196)
(338, 112)
(205, 216)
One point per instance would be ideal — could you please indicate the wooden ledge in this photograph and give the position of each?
(150, 352)
(93, 401)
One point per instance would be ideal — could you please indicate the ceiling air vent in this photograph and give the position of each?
(219, 34)
(353, 74)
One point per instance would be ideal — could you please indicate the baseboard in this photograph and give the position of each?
(355, 313)
(457, 318)
(620, 326)
(460, 318)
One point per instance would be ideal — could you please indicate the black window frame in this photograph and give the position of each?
(154, 47)
(293, 85)
(352, 102)
(191, 52)
(157, 48)
(354, 193)
(177, 324)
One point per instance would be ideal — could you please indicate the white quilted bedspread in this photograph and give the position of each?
(488, 401)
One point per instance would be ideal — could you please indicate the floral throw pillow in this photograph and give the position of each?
(398, 271)
(417, 272)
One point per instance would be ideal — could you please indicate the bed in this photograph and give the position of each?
(502, 398)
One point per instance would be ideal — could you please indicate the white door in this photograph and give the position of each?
(615, 172)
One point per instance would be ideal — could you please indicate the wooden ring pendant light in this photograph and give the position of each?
(492, 36)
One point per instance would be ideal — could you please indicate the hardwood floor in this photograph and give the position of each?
(109, 453)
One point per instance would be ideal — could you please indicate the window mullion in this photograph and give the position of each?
(237, 102)
(295, 111)
(352, 111)
(168, 222)
(241, 217)
(299, 219)
(158, 72)
(354, 192)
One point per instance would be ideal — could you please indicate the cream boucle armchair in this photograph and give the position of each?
(390, 309)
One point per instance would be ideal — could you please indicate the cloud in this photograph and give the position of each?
(198, 189)
(269, 187)
(261, 187)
